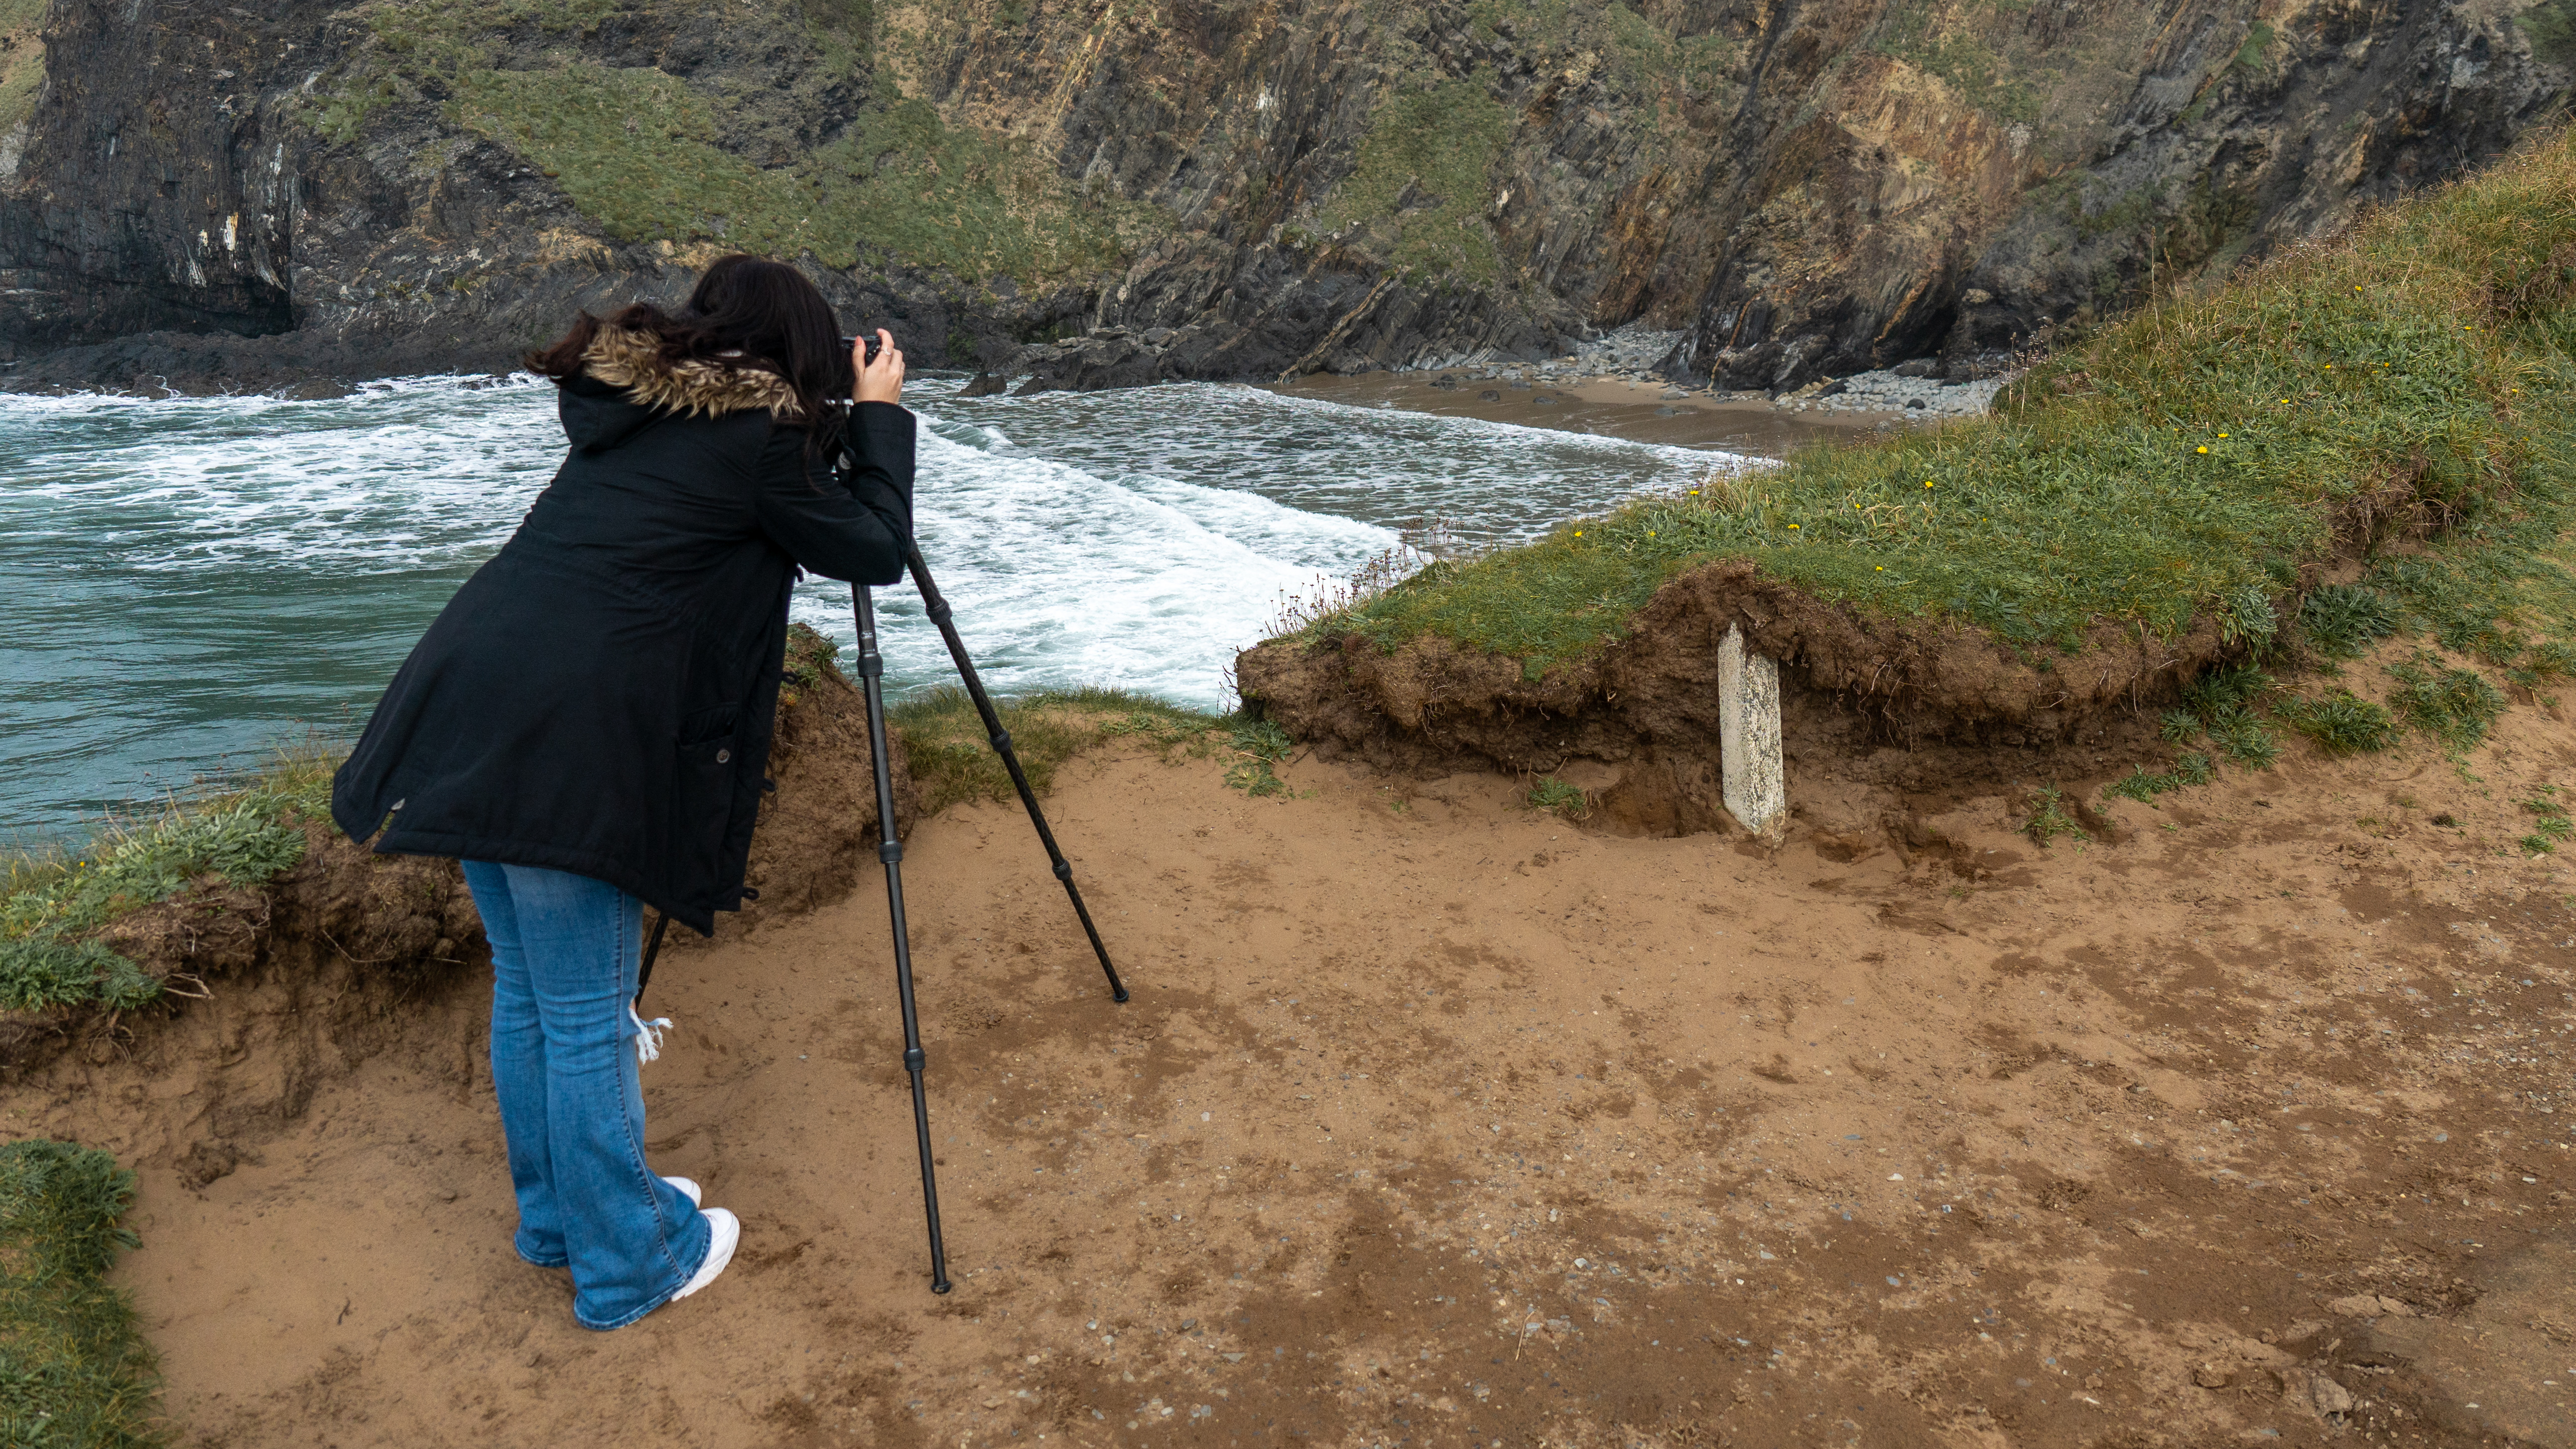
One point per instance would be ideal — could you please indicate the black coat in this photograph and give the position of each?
(599, 697)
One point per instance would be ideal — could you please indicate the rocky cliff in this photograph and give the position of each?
(1099, 192)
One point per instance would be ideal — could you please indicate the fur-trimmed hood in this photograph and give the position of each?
(631, 361)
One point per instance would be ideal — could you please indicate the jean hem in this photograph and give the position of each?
(666, 1297)
(563, 1262)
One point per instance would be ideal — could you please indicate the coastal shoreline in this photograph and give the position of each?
(1619, 385)
(1608, 407)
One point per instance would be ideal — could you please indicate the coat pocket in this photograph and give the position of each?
(703, 800)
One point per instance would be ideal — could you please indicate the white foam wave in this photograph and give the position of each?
(186, 576)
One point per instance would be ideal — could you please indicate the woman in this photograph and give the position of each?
(586, 723)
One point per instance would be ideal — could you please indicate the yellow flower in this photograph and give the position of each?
(1650, 533)
(2204, 448)
(1882, 568)
(1927, 482)
(1793, 525)
(2222, 435)
(1578, 533)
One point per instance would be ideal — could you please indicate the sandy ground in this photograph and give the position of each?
(1610, 407)
(1437, 1121)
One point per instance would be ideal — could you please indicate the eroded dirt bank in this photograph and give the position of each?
(1437, 1121)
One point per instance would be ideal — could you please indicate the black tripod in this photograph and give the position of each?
(890, 850)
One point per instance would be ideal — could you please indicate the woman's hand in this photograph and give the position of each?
(881, 380)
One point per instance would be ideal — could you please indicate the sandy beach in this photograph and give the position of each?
(1436, 1120)
(1612, 407)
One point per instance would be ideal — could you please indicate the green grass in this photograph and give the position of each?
(2551, 25)
(1259, 746)
(2549, 821)
(951, 760)
(2221, 705)
(242, 831)
(2342, 620)
(1424, 181)
(1981, 76)
(639, 150)
(75, 1371)
(2341, 723)
(1559, 797)
(22, 65)
(2190, 463)
(2051, 817)
(2455, 706)
(2191, 768)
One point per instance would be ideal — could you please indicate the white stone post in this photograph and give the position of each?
(1751, 782)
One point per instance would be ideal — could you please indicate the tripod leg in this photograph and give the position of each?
(890, 850)
(940, 614)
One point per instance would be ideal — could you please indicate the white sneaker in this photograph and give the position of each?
(725, 1233)
(688, 1189)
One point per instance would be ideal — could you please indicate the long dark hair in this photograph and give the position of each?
(746, 312)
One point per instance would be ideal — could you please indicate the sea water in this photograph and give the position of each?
(185, 583)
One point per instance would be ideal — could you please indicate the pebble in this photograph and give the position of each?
(1886, 391)
(1630, 354)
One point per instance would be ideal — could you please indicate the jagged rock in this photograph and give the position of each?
(2315, 1391)
(985, 384)
(201, 198)
(2369, 1305)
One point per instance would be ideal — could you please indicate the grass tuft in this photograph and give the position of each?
(1559, 797)
(2220, 704)
(75, 1371)
(2550, 824)
(1259, 747)
(2342, 723)
(2051, 817)
(2455, 706)
(2344, 619)
(943, 736)
(2246, 740)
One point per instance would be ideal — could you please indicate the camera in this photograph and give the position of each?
(875, 346)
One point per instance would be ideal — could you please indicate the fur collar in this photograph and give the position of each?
(623, 358)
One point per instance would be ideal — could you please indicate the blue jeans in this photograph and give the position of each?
(564, 958)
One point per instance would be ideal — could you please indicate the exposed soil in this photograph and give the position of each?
(1437, 1121)
(1645, 709)
(818, 829)
(348, 935)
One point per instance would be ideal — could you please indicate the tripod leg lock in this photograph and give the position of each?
(871, 666)
(914, 1059)
(1064, 870)
(890, 851)
(1001, 741)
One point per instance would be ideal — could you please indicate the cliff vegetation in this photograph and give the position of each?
(22, 65)
(2360, 437)
(1256, 189)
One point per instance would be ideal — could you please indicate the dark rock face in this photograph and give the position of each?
(202, 196)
